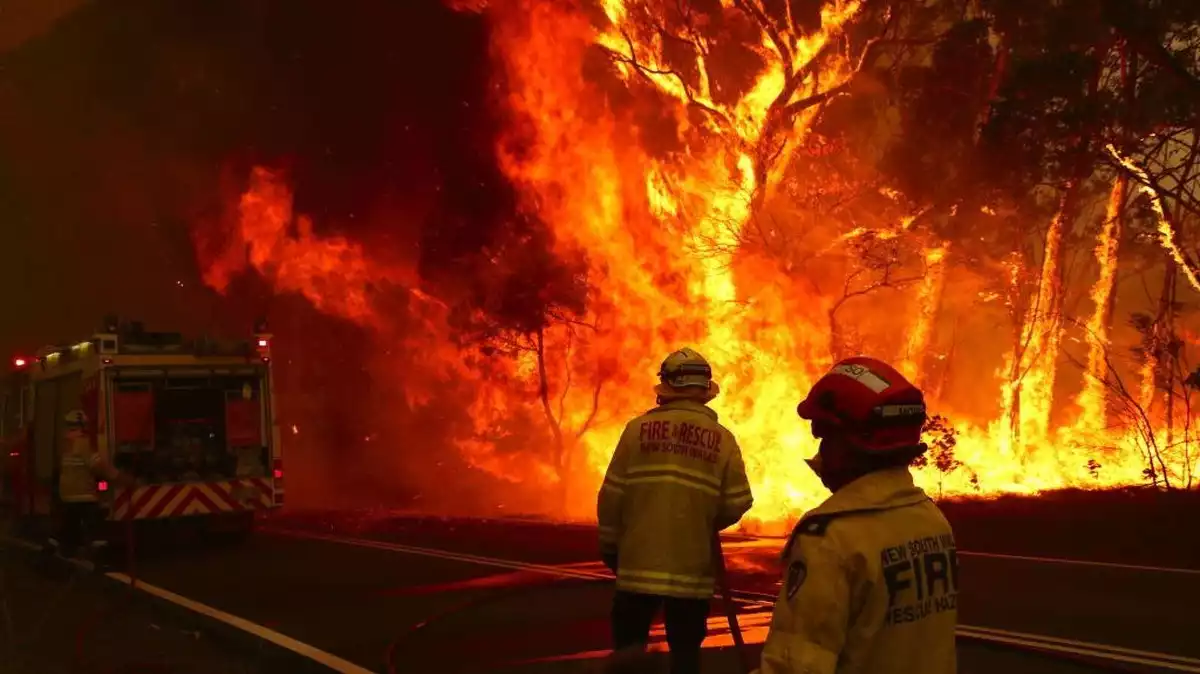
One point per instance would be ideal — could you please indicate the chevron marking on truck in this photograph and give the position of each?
(192, 498)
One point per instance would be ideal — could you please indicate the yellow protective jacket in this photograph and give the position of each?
(675, 480)
(79, 468)
(870, 585)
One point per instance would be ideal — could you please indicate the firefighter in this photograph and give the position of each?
(675, 480)
(80, 466)
(871, 575)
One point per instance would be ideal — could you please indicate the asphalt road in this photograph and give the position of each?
(426, 595)
(56, 618)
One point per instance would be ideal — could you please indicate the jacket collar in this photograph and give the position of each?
(880, 490)
(686, 405)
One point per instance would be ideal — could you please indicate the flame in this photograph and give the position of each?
(663, 218)
(282, 246)
(1092, 402)
(1166, 232)
(685, 219)
(930, 295)
(1037, 360)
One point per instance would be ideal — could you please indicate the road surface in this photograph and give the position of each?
(379, 593)
(58, 619)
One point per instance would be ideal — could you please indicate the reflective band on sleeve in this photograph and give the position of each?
(863, 376)
(609, 486)
(608, 534)
(739, 498)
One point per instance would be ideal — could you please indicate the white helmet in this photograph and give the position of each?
(682, 373)
(75, 419)
(685, 368)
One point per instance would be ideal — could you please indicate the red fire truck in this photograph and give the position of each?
(191, 423)
(15, 400)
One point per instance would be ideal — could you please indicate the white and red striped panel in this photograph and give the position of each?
(181, 499)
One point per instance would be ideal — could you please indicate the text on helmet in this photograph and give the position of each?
(862, 375)
(889, 411)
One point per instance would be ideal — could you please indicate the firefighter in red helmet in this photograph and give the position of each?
(675, 480)
(871, 575)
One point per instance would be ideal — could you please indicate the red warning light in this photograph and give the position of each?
(102, 486)
(20, 362)
(262, 343)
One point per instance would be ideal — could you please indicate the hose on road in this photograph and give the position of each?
(726, 592)
(722, 579)
(474, 603)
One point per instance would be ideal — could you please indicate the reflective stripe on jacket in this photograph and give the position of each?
(870, 585)
(675, 479)
(76, 474)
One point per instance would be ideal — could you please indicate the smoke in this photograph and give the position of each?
(129, 133)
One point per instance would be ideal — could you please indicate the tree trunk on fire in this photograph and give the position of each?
(1014, 381)
(561, 462)
(1047, 312)
(921, 359)
(1164, 367)
(836, 347)
(935, 385)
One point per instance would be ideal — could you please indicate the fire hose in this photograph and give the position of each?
(725, 593)
(478, 602)
(735, 630)
(724, 590)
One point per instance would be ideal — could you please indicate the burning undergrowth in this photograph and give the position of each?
(725, 175)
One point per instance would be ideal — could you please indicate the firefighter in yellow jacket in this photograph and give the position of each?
(871, 575)
(80, 466)
(675, 480)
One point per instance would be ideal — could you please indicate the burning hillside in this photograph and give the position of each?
(710, 174)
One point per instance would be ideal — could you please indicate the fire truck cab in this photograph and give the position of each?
(190, 425)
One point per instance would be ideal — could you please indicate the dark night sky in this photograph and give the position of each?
(124, 124)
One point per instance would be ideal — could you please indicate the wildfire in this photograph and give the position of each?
(664, 234)
(334, 273)
(1092, 398)
(929, 300)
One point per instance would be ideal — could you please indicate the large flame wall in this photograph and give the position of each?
(665, 235)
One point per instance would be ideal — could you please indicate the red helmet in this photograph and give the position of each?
(870, 402)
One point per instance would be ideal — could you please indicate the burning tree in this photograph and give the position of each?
(752, 178)
(877, 263)
(983, 125)
(942, 438)
(529, 306)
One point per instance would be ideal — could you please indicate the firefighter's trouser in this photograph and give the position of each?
(78, 524)
(686, 621)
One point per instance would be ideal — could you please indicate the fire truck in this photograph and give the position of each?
(190, 425)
